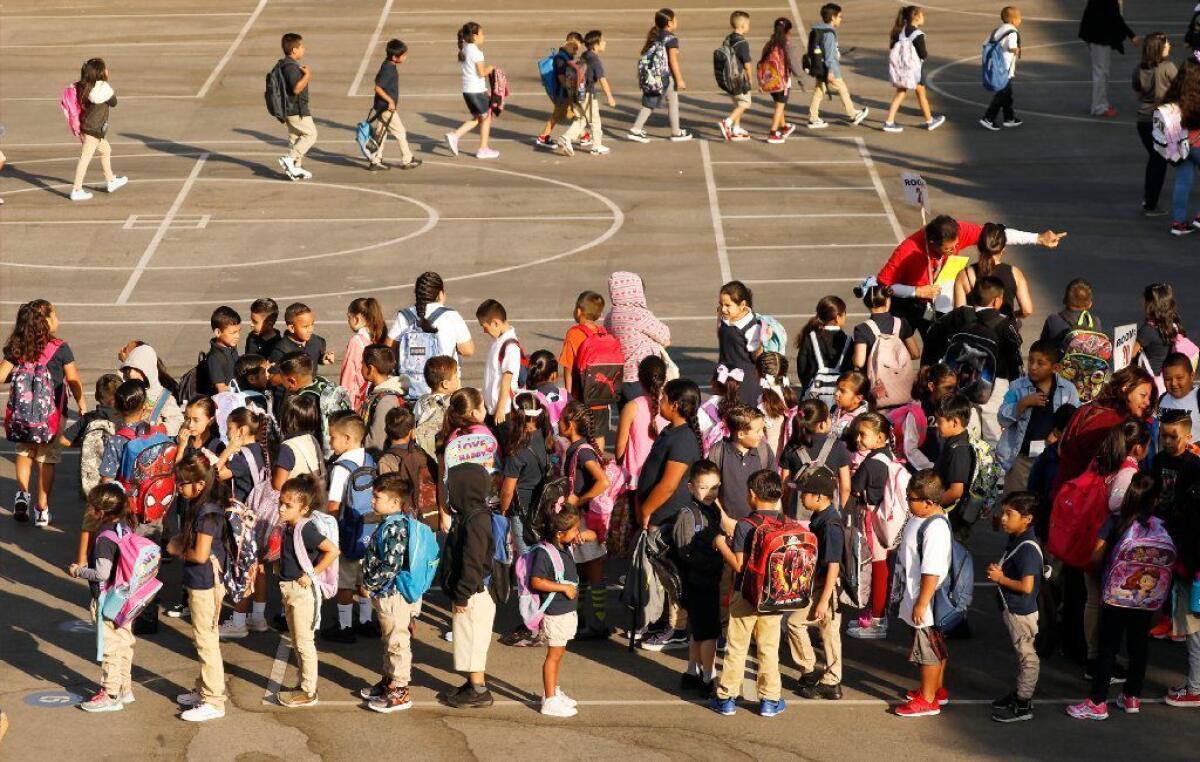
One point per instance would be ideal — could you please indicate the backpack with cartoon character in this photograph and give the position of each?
(1139, 569)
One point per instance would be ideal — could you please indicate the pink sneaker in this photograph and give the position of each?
(1131, 704)
(1181, 697)
(941, 698)
(1086, 710)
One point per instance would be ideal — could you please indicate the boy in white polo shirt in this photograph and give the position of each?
(501, 373)
(346, 434)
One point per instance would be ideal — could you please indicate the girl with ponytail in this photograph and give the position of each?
(831, 341)
(475, 91)
(778, 401)
(776, 49)
(246, 454)
(583, 465)
(663, 33)
(663, 483)
(430, 313)
(96, 97)
(992, 241)
(640, 419)
(365, 319)
(908, 29)
(812, 441)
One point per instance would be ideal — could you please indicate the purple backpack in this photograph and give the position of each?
(134, 584)
(532, 604)
(34, 415)
(1139, 570)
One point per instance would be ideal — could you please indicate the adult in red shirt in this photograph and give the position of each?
(913, 268)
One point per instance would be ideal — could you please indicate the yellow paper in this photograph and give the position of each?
(954, 265)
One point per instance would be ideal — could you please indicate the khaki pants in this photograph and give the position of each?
(117, 667)
(205, 606)
(588, 121)
(390, 124)
(92, 146)
(798, 623)
(1023, 628)
(745, 622)
(473, 633)
(299, 607)
(820, 89)
(302, 133)
(395, 614)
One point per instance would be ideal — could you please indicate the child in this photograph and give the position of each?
(992, 246)
(302, 131)
(956, 461)
(849, 400)
(566, 53)
(825, 37)
(811, 442)
(766, 491)
(1077, 313)
(587, 116)
(640, 420)
(589, 307)
(205, 538)
(738, 456)
(1178, 377)
(1045, 468)
(366, 321)
(199, 433)
(247, 433)
(1160, 330)
(923, 561)
(907, 31)
(1176, 464)
(776, 50)
(739, 337)
(822, 350)
(108, 510)
(299, 337)
(91, 432)
(296, 373)
(1009, 39)
(475, 91)
(816, 495)
(346, 434)
(384, 393)
(263, 336)
(143, 364)
(130, 401)
(696, 530)
(501, 374)
(1018, 575)
(543, 380)
(222, 350)
(301, 428)
(778, 401)
(877, 298)
(442, 377)
(387, 92)
(731, 126)
(583, 465)
(560, 620)
(96, 97)
(869, 483)
(1151, 80)
(663, 34)
(468, 562)
(1027, 413)
(527, 447)
(396, 616)
(299, 497)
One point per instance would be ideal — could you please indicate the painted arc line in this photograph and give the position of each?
(302, 220)
(1050, 20)
(537, 11)
(366, 59)
(101, 46)
(237, 41)
(714, 211)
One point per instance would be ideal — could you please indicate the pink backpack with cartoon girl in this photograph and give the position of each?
(1139, 570)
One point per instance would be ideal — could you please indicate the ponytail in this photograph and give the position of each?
(581, 417)
(992, 240)
(652, 375)
(369, 310)
(466, 35)
(903, 18)
(662, 20)
(775, 403)
(429, 284)
(684, 395)
(809, 416)
(829, 309)
(1118, 445)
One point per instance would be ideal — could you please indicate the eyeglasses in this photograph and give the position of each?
(914, 500)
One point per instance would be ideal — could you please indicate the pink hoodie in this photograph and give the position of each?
(640, 333)
(351, 378)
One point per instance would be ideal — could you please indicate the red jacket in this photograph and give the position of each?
(1081, 440)
(909, 263)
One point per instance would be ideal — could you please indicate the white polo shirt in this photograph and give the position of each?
(495, 368)
(934, 559)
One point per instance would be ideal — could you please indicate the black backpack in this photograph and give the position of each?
(813, 60)
(276, 94)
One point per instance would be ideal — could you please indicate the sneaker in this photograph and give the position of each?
(369, 629)
(466, 697)
(1017, 711)
(692, 683)
(681, 137)
(296, 699)
(564, 147)
(544, 141)
(726, 706)
(585, 139)
(1161, 631)
(917, 706)
(102, 702)
(411, 164)
(788, 129)
(177, 610)
(1181, 228)
(1153, 211)
(81, 195)
(667, 640)
(726, 128)
(771, 708)
(987, 124)
(1196, 222)
(1014, 122)
(817, 124)
(21, 506)
(255, 623)
(189, 699)
(775, 137)
(892, 127)
(378, 166)
(1117, 675)
(1108, 113)
(335, 634)
(821, 691)
(599, 150)
(452, 142)
(740, 136)
(289, 167)
(127, 697)
(487, 153)
(395, 700)
(1086, 710)
(1181, 697)
(1129, 704)
(378, 690)
(231, 630)
(302, 173)
(593, 633)
(41, 517)
(876, 630)
(519, 638)
(555, 706)
(116, 183)
(860, 116)
(941, 698)
(934, 123)
(1005, 701)
(202, 713)
(638, 136)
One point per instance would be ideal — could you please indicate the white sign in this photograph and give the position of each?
(916, 191)
(1124, 337)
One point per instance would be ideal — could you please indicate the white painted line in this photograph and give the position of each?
(801, 188)
(216, 72)
(883, 196)
(101, 46)
(764, 161)
(823, 215)
(789, 246)
(370, 52)
(201, 221)
(94, 16)
(278, 668)
(164, 226)
(806, 280)
(204, 220)
(714, 210)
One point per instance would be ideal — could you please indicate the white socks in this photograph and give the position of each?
(364, 611)
(709, 674)
(239, 619)
(345, 615)
(693, 668)
(258, 609)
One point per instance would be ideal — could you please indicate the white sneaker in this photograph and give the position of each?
(452, 142)
(126, 697)
(564, 147)
(80, 195)
(302, 173)
(202, 713)
(554, 706)
(639, 136)
(860, 116)
(189, 700)
(558, 692)
(683, 135)
(817, 124)
(934, 123)
(892, 127)
(600, 150)
(289, 167)
(876, 630)
(257, 624)
(41, 517)
(231, 630)
(116, 182)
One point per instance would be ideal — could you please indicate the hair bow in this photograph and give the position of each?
(533, 412)
(724, 374)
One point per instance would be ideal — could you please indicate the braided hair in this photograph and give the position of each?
(581, 417)
(652, 375)
(256, 422)
(428, 288)
(684, 395)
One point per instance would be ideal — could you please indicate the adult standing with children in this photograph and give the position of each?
(1104, 30)
(640, 333)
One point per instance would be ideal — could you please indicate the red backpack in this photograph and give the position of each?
(600, 364)
(778, 573)
(147, 470)
(1080, 508)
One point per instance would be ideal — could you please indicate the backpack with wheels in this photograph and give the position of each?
(354, 531)
(1168, 135)
(953, 596)
(904, 63)
(414, 347)
(1079, 510)
(824, 384)
(147, 468)
(601, 367)
(729, 72)
(325, 583)
(532, 604)
(778, 575)
(1140, 568)
(996, 74)
(813, 60)
(653, 69)
(276, 93)
(889, 367)
(1086, 358)
(971, 354)
(34, 415)
(773, 75)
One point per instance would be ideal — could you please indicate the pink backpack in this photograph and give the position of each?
(134, 584)
(898, 416)
(69, 103)
(888, 518)
(327, 581)
(717, 431)
(555, 403)
(1167, 133)
(600, 508)
(1139, 569)
(530, 602)
(889, 367)
(33, 414)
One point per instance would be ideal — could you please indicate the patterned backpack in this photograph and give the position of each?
(33, 415)
(1086, 358)
(238, 573)
(600, 508)
(987, 482)
(135, 581)
(904, 64)
(325, 583)
(414, 347)
(653, 69)
(91, 450)
(1168, 135)
(1139, 570)
(147, 470)
(531, 604)
(773, 74)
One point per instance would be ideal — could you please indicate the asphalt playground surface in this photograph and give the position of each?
(207, 219)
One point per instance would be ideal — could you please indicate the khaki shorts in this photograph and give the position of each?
(928, 648)
(743, 99)
(50, 453)
(560, 628)
(349, 574)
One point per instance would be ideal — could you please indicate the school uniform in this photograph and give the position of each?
(736, 467)
(701, 576)
(675, 444)
(886, 323)
(245, 465)
(302, 130)
(745, 622)
(587, 118)
(835, 353)
(117, 664)
(205, 592)
(388, 80)
(300, 603)
(790, 461)
(528, 467)
(469, 550)
(339, 477)
(650, 102)
(831, 537)
(1022, 559)
(264, 348)
(833, 82)
(1060, 323)
(933, 558)
(561, 619)
(956, 463)
(314, 348)
(219, 364)
(1009, 39)
(738, 343)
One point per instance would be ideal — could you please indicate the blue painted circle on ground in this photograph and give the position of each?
(53, 699)
(78, 626)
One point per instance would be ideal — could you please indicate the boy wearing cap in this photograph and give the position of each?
(816, 495)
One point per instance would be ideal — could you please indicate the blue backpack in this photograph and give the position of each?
(995, 68)
(421, 560)
(953, 596)
(546, 72)
(353, 532)
(774, 335)
(499, 582)
(414, 347)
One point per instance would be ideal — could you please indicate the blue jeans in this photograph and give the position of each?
(1185, 175)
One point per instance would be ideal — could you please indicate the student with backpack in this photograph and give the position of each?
(874, 485)
(594, 361)
(465, 415)
(778, 401)
(741, 453)
(91, 432)
(296, 373)
(737, 71)
(1179, 376)
(542, 380)
(587, 127)
(387, 93)
(366, 322)
(503, 370)
(1003, 44)
(1161, 331)
(1130, 393)
(442, 379)
(884, 345)
(826, 68)
(775, 72)
(350, 501)
(87, 116)
(528, 448)
(552, 80)
(1151, 81)
(246, 455)
(639, 332)
(401, 454)
(701, 574)
(641, 422)
(559, 584)
(1076, 312)
(309, 551)
(1017, 302)
(385, 392)
(811, 447)
(660, 76)
(906, 67)
(1026, 415)
(40, 369)
(302, 130)
(142, 364)
(300, 337)
(430, 315)
(823, 350)
(739, 337)
(475, 73)
(850, 400)
(1183, 93)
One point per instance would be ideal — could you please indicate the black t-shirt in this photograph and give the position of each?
(741, 48)
(1177, 474)
(314, 348)
(1153, 347)
(388, 80)
(580, 454)
(249, 457)
(831, 536)
(543, 567)
(297, 105)
(674, 444)
(289, 566)
(1059, 324)
(956, 463)
(1022, 563)
(870, 480)
(832, 341)
(704, 565)
(528, 467)
(212, 523)
(595, 69)
(219, 363)
(256, 345)
(886, 322)
(839, 455)
(1041, 422)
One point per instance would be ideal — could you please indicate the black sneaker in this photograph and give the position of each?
(593, 633)
(821, 691)
(809, 679)
(411, 164)
(145, 627)
(520, 637)
(1117, 675)
(378, 690)
(467, 697)
(339, 635)
(378, 166)
(1017, 711)
(21, 506)
(1004, 701)
(369, 629)
(690, 682)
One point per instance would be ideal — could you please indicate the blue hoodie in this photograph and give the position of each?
(829, 47)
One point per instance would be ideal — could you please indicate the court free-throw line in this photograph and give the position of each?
(714, 210)
(370, 53)
(163, 227)
(216, 72)
(878, 183)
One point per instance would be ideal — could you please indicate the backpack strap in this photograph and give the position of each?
(49, 351)
(921, 538)
(816, 345)
(873, 328)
